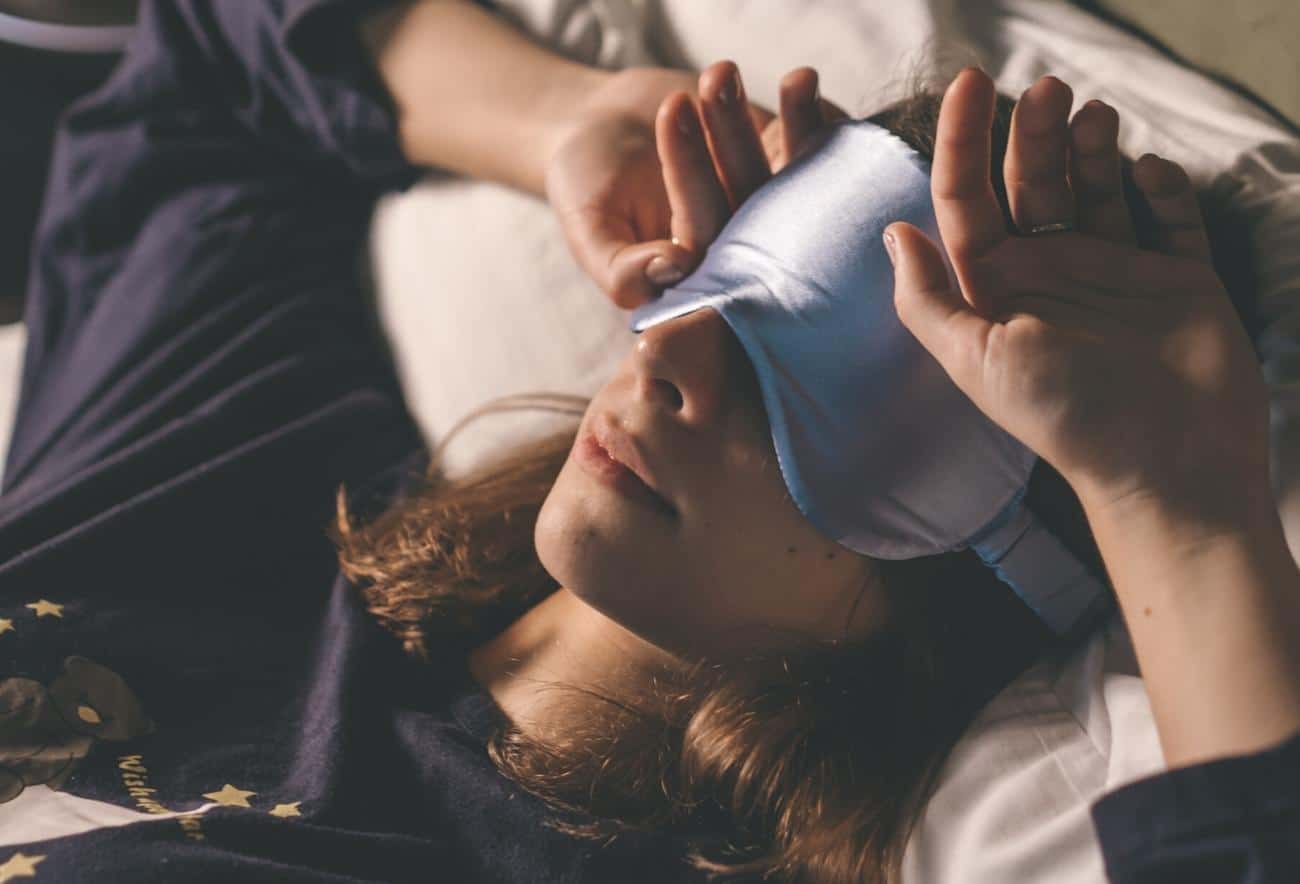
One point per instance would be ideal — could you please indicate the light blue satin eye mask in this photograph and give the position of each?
(877, 446)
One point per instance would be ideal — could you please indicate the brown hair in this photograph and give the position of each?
(812, 766)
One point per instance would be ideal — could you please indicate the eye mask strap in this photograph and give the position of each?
(1048, 577)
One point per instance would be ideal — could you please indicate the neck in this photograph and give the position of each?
(73, 12)
(561, 640)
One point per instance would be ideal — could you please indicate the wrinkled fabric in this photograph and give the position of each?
(877, 446)
(190, 691)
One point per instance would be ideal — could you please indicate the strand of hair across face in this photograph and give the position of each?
(556, 403)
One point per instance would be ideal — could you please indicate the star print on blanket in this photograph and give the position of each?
(71, 758)
(20, 865)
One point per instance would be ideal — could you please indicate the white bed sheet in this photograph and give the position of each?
(13, 338)
(480, 299)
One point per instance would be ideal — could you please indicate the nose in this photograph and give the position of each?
(691, 366)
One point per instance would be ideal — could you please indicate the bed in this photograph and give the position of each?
(1013, 801)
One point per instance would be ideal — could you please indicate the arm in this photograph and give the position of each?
(582, 137)
(1128, 370)
(1211, 595)
(523, 107)
(510, 98)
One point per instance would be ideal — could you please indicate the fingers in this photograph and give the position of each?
(1095, 175)
(930, 308)
(804, 114)
(1035, 166)
(696, 198)
(732, 137)
(606, 247)
(965, 205)
(1179, 227)
(801, 113)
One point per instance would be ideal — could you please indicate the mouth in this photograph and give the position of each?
(613, 457)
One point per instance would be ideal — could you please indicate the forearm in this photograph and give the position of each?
(1212, 601)
(473, 94)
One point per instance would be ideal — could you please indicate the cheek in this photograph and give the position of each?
(771, 564)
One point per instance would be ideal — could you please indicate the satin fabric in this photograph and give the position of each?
(877, 446)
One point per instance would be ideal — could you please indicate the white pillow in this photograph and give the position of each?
(13, 340)
(481, 299)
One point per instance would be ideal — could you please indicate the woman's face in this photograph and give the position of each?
(716, 560)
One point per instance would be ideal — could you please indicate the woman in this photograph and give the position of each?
(711, 567)
(194, 391)
(648, 574)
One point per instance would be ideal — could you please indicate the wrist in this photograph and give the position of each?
(626, 100)
(1182, 519)
(1167, 555)
(1211, 597)
(568, 106)
(1157, 543)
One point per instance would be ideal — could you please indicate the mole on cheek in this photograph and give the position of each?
(790, 550)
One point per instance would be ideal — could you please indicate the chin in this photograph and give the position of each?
(577, 543)
(589, 535)
(606, 560)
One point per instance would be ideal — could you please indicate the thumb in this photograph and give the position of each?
(932, 309)
(607, 248)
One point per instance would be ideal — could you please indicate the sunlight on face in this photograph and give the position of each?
(717, 559)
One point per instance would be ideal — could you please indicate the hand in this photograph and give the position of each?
(607, 185)
(802, 112)
(1127, 370)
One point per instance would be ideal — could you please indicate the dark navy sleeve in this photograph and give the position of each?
(190, 690)
(1231, 821)
(201, 235)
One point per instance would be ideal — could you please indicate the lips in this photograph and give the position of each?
(625, 450)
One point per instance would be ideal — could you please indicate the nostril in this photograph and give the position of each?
(669, 392)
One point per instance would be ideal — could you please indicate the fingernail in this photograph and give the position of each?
(890, 245)
(661, 271)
